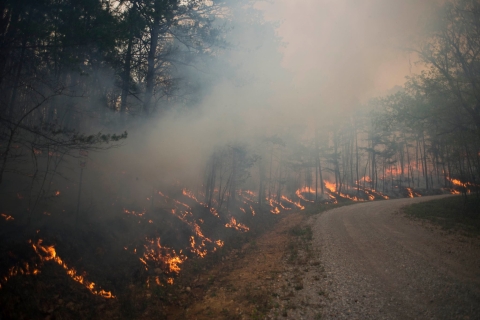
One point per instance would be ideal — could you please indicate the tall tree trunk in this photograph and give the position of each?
(151, 66)
(126, 75)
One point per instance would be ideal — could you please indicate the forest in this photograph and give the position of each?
(112, 172)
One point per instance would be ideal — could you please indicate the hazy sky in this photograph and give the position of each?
(342, 52)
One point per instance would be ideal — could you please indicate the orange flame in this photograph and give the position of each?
(237, 226)
(47, 253)
(304, 190)
(7, 217)
(165, 257)
(275, 211)
(297, 204)
(16, 270)
(330, 186)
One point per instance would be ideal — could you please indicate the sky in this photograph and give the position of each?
(343, 52)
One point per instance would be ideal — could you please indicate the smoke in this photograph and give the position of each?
(341, 53)
(322, 60)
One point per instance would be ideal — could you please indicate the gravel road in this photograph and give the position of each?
(380, 265)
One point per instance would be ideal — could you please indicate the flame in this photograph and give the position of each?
(353, 198)
(7, 217)
(333, 198)
(191, 196)
(457, 182)
(135, 213)
(47, 253)
(57, 193)
(253, 211)
(250, 193)
(330, 186)
(412, 193)
(198, 251)
(297, 204)
(273, 203)
(237, 226)
(248, 196)
(275, 211)
(165, 257)
(304, 190)
(26, 269)
(366, 179)
(214, 212)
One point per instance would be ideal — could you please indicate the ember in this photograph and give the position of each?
(6, 217)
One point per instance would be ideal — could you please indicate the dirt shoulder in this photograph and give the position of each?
(243, 285)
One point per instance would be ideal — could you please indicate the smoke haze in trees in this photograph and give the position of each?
(313, 59)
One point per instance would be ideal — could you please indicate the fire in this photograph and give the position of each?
(135, 213)
(57, 193)
(457, 182)
(250, 193)
(412, 193)
(199, 252)
(253, 211)
(47, 253)
(297, 204)
(248, 196)
(7, 217)
(237, 226)
(330, 186)
(16, 270)
(191, 196)
(275, 211)
(366, 179)
(353, 198)
(304, 190)
(273, 203)
(214, 212)
(334, 200)
(164, 257)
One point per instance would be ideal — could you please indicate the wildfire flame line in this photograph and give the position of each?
(47, 253)
(236, 225)
(304, 190)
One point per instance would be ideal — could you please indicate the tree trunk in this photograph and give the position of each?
(150, 78)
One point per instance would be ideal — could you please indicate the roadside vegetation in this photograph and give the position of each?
(452, 213)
